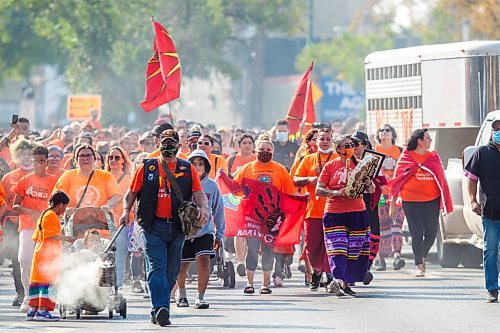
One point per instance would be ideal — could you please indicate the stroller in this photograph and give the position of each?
(221, 269)
(105, 288)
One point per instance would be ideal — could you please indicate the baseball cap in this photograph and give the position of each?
(146, 135)
(194, 134)
(360, 136)
(157, 130)
(169, 134)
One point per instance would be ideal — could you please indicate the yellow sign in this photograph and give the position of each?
(79, 106)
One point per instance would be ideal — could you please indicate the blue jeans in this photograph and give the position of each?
(491, 238)
(163, 249)
(121, 255)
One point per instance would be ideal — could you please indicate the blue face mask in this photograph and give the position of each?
(496, 137)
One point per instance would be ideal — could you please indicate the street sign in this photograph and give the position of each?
(340, 100)
(79, 106)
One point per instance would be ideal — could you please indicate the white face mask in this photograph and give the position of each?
(282, 136)
(325, 151)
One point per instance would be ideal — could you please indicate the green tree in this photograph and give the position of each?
(343, 57)
(103, 46)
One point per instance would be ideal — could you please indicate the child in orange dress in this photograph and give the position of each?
(46, 256)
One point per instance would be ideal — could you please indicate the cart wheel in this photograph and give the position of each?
(62, 311)
(123, 309)
(225, 279)
(78, 313)
(110, 314)
(231, 277)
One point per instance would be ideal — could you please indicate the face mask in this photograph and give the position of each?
(217, 152)
(496, 137)
(169, 150)
(94, 117)
(193, 146)
(325, 151)
(347, 153)
(264, 156)
(282, 136)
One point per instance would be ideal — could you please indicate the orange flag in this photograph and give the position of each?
(309, 113)
(297, 109)
(163, 73)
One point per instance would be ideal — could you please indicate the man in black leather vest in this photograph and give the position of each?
(157, 214)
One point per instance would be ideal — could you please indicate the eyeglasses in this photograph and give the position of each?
(54, 157)
(67, 132)
(148, 143)
(114, 158)
(39, 161)
(387, 130)
(204, 143)
(348, 145)
(85, 155)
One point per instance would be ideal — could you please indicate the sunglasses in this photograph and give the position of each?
(114, 158)
(387, 130)
(348, 145)
(85, 155)
(206, 143)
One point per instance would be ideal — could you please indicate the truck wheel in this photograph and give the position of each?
(472, 257)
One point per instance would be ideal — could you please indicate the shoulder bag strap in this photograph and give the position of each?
(85, 190)
(216, 159)
(230, 164)
(121, 178)
(173, 182)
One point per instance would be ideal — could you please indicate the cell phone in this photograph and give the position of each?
(15, 118)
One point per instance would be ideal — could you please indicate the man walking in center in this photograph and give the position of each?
(483, 167)
(157, 214)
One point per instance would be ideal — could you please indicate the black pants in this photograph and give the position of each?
(423, 221)
(11, 237)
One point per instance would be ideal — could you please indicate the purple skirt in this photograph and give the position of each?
(347, 241)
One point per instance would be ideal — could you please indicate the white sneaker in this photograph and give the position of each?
(278, 281)
(24, 308)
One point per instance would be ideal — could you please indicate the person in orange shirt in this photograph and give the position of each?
(391, 229)
(46, 257)
(306, 176)
(309, 146)
(206, 143)
(421, 192)
(245, 154)
(30, 201)
(102, 190)
(345, 223)
(267, 171)
(158, 215)
(21, 154)
(118, 164)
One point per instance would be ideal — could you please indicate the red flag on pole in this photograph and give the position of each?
(163, 73)
(296, 112)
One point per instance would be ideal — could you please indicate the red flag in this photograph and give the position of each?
(163, 74)
(295, 113)
(264, 212)
(309, 113)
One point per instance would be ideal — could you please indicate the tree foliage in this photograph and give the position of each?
(103, 46)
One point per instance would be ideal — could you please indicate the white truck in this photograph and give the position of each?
(451, 89)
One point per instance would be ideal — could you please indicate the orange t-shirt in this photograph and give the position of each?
(9, 182)
(335, 176)
(391, 159)
(124, 185)
(164, 206)
(182, 155)
(421, 186)
(216, 162)
(57, 173)
(269, 173)
(310, 167)
(47, 252)
(101, 188)
(239, 161)
(35, 192)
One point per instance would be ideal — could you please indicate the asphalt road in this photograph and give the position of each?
(446, 300)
